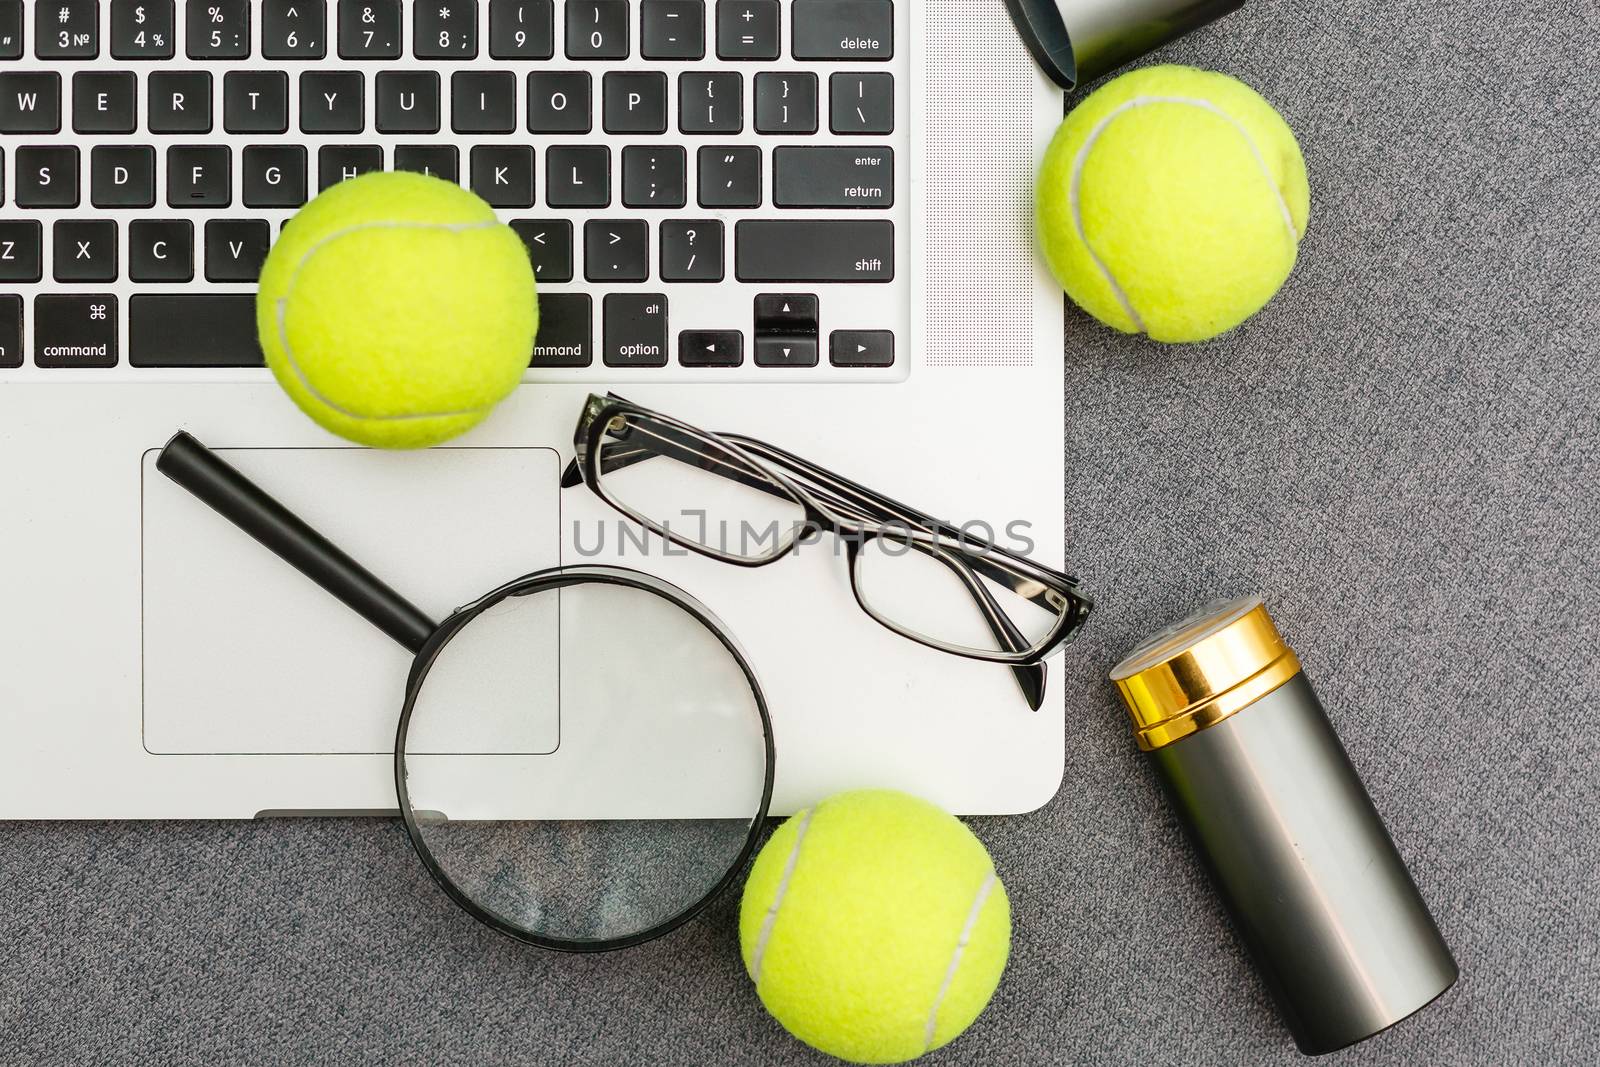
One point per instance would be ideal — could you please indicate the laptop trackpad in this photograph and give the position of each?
(244, 655)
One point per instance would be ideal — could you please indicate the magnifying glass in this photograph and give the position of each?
(650, 801)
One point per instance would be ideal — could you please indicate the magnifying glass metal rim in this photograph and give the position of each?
(542, 582)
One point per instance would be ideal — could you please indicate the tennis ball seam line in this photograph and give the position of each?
(1082, 158)
(770, 919)
(967, 927)
(281, 308)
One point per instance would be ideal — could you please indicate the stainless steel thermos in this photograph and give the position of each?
(1312, 880)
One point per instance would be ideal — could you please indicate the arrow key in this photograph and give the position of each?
(710, 348)
(786, 350)
(861, 348)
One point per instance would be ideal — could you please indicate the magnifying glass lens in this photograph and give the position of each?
(584, 764)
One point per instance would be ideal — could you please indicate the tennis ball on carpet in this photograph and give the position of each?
(1171, 202)
(396, 310)
(874, 926)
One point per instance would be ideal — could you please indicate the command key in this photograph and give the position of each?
(79, 330)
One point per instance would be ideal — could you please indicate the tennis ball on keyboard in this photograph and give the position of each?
(1171, 202)
(874, 926)
(396, 310)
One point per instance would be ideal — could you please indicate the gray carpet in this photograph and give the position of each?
(1400, 453)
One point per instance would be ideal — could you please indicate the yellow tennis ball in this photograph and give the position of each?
(396, 310)
(874, 926)
(1171, 202)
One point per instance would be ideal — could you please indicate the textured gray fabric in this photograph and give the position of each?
(1400, 453)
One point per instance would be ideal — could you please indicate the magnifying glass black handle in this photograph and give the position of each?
(245, 504)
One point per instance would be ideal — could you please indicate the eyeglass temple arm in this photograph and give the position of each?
(1030, 676)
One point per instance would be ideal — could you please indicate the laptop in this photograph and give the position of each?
(818, 216)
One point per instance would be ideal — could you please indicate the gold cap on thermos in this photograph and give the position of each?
(1199, 671)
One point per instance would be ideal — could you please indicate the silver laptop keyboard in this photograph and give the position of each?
(706, 188)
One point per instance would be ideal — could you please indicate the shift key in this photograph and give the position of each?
(814, 250)
(75, 331)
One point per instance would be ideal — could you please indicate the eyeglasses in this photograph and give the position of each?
(746, 502)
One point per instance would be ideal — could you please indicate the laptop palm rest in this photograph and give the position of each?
(242, 655)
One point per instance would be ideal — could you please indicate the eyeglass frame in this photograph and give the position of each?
(934, 537)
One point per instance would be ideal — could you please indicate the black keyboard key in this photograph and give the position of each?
(122, 176)
(861, 348)
(438, 160)
(79, 330)
(672, 29)
(813, 250)
(577, 176)
(293, 29)
(10, 331)
(654, 176)
(30, 102)
(691, 251)
(332, 101)
(566, 331)
(444, 29)
(710, 102)
(104, 101)
(831, 176)
(161, 250)
(408, 101)
(786, 329)
(616, 251)
(236, 248)
(503, 174)
(786, 313)
(634, 102)
(597, 29)
(21, 250)
(710, 348)
(218, 29)
(521, 29)
(786, 102)
(193, 330)
(861, 103)
(66, 29)
(11, 48)
(559, 102)
(143, 29)
(338, 162)
(483, 101)
(636, 330)
(747, 29)
(47, 176)
(549, 244)
(843, 29)
(730, 176)
(199, 176)
(255, 101)
(369, 29)
(180, 101)
(273, 175)
(84, 250)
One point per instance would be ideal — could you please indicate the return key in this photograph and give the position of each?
(832, 176)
